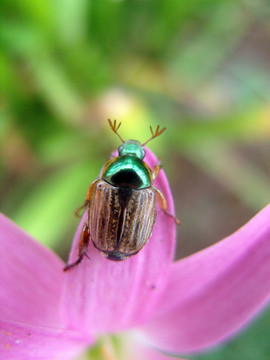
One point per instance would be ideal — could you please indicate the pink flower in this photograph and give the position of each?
(148, 301)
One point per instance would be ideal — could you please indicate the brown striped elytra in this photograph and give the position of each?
(121, 204)
(116, 218)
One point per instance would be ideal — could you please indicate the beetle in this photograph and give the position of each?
(121, 204)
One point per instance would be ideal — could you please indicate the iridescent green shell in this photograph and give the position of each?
(127, 170)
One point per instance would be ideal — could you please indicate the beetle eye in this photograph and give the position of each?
(143, 152)
(120, 149)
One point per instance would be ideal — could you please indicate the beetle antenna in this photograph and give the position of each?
(155, 134)
(115, 127)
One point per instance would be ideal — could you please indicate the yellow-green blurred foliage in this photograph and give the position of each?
(200, 68)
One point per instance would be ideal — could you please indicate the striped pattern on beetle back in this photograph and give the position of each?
(121, 219)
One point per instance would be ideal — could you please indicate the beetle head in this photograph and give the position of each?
(132, 147)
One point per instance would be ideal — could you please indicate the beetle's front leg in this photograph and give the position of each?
(83, 245)
(156, 170)
(88, 197)
(163, 204)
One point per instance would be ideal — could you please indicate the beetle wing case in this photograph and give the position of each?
(121, 219)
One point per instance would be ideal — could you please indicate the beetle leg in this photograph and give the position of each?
(163, 204)
(83, 244)
(156, 169)
(88, 197)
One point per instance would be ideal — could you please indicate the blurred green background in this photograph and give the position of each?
(200, 68)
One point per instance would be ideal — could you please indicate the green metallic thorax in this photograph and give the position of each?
(127, 170)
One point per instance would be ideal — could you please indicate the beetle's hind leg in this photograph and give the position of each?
(163, 204)
(83, 245)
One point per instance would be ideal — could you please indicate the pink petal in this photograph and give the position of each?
(21, 342)
(213, 293)
(106, 296)
(31, 278)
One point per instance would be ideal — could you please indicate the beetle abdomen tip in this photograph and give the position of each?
(115, 256)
